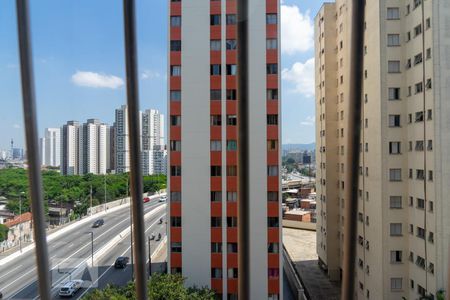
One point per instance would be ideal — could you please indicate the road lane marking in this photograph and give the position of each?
(109, 268)
(3, 275)
(15, 293)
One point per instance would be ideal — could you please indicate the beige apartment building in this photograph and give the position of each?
(403, 223)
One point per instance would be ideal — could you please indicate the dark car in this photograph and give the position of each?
(121, 262)
(98, 223)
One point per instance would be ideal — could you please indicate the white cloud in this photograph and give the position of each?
(309, 121)
(297, 30)
(149, 74)
(16, 126)
(97, 80)
(302, 76)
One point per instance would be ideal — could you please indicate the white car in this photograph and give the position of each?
(70, 288)
(162, 199)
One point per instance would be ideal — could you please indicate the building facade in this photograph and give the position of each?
(152, 129)
(51, 147)
(403, 234)
(202, 105)
(70, 147)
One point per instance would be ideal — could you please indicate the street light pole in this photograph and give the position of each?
(20, 221)
(105, 191)
(149, 259)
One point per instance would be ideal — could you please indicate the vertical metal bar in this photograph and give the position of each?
(135, 147)
(354, 133)
(243, 151)
(34, 166)
(149, 259)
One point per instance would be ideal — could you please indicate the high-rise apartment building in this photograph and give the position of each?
(403, 230)
(94, 147)
(154, 161)
(202, 236)
(50, 146)
(121, 141)
(85, 148)
(152, 129)
(70, 148)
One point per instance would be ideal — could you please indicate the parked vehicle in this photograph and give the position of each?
(159, 237)
(121, 262)
(70, 288)
(98, 223)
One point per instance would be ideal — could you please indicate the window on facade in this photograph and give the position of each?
(272, 145)
(394, 148)
(420, 203)
(396, 229)
(272, 69)
(232, 222)
(395, 174)
(216, 273)
(215, 45)
(418, 30)
(394, 93)
(175, 70)
(273, 248)
(175, 247)
(216, 94)
(418, 59)
(216, 222)
(395, 201)
(175, 171)
(272, 119)
(175, 95)
(271, 44)
(272, 94)
(175, 45)
(216, 196)
(216, 247)
(231, 196)
(272, 196)
(231, 69)
(215, 20)
(232, 247)
(231, 45)
(175, 145)
(175, 21)
(175, 196)
(394, 120)
(420, 174)
(272, 222)
(393, 40)
(232, 273)
(272, 170)
(271, 19)
(393, 13)
(231, 19)
(216, 120)
(394, 66)
(396, 256)
(231, 94)
(274, 272)
(216, 171)
(175, 221)
(175, 120)
(419, 116)
(231, 145)
(396, 283)
(216, 69)
(232, 120)
(231, 170)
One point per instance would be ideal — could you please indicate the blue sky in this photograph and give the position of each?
(79, 63)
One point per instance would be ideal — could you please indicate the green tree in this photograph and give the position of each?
(3, 232)
(159, 287)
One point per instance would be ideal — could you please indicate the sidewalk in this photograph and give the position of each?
(301, 246)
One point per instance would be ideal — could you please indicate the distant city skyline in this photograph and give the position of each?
(79, 66)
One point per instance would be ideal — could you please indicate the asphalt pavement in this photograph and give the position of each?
(72, 251)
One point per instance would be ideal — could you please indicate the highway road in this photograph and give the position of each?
(72, 250)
